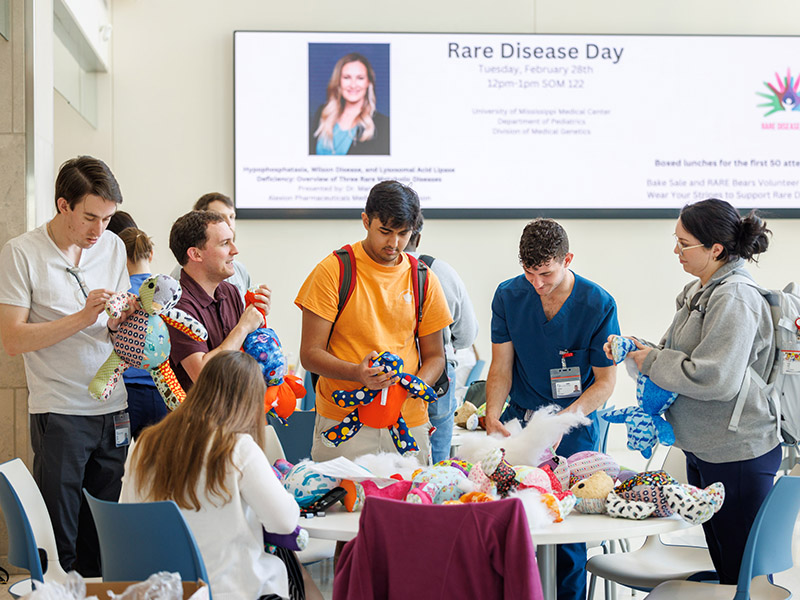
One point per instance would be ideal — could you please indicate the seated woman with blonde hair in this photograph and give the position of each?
(208, 457)
(348, 122)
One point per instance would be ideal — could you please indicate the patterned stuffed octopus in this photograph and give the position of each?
(645, 424)
(283, 388)
(380, 408)
(142, 340)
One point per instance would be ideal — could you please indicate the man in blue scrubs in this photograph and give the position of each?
(548, 330)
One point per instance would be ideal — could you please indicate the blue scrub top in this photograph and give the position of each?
(581, 326)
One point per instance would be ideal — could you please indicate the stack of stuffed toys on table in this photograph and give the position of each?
(380, 409)
(491, 467)
(283, 388)
(142, 340)
(645, 423)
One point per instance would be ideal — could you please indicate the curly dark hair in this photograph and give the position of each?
(189, 231)
(541, 241)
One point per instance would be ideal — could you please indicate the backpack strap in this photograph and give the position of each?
(419, 286)
(750, 375)
(347, 277)
(427, 259)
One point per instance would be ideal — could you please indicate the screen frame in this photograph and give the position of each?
(485, 213)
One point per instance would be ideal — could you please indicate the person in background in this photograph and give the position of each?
(721, 331)
(549, 327)
(145, 404)
(223, 205)
(54, 284)
(459, 335)
(120, 220)
(208, 457)
(348, 122)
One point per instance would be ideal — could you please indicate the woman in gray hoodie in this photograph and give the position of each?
(722, 327)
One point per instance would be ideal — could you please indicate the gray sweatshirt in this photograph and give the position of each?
(720, 330)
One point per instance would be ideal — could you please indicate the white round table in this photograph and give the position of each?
(576, 528)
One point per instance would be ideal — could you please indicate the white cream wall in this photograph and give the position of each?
(166, 119)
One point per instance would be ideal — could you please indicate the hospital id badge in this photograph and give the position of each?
(790, 363)
(566, 382)
(122, 429)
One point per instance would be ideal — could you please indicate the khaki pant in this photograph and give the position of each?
(366, 441)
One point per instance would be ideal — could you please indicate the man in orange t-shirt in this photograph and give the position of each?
(379, 316)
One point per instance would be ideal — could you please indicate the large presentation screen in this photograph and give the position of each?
(500, 126)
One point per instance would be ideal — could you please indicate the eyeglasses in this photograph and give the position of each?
(78, 275)
(682, 248)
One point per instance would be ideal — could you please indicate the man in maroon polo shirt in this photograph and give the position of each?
(202, 243)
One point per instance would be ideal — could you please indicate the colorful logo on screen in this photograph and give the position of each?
(783, 95)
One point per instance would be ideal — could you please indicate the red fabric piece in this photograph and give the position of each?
(405, 550)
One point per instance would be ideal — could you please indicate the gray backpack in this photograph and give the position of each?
(782, 386)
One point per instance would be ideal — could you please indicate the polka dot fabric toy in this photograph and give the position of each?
(142, 340)
(380, 408)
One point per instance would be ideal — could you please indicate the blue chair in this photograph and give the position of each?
(137, 540)
(309, 400)
(295, 437)
(476, 372)
(22, 549)
(768, 551)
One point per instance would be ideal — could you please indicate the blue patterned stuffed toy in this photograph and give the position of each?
(646, 426)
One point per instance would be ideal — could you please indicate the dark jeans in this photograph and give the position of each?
(71, 452)
(747, 483)
(145, 406)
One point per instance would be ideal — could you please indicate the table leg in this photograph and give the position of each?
(546, 559)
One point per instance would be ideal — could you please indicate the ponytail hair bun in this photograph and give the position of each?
(715, 221)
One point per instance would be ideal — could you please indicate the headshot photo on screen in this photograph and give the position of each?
(348, 99)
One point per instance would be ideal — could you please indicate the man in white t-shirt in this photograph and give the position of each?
(54, 283)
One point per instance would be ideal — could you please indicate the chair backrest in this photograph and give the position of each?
(297, 435)
(769, 545)
(274, 450)
(310, 399)
(476, 372)
(137, 540)
(22, 549)
(36, 511)
(602, 429)
(675, 464)
(480, 550)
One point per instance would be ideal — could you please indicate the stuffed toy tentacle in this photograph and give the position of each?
(342, 432)
(619, 415)
(167, 385)
(119, 303)
(417, 388)
(359, 397)
(181, 321)
(403, 440)
(664, 431)
(107, 377)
